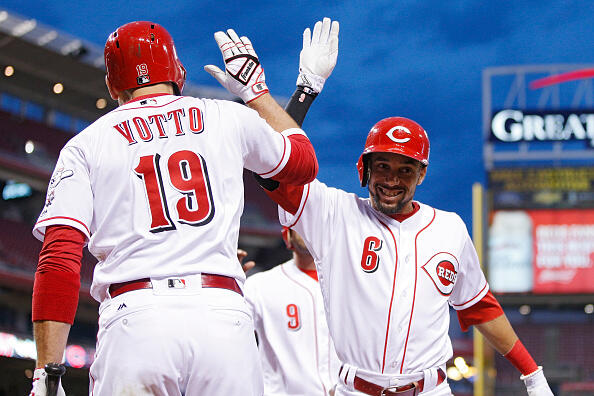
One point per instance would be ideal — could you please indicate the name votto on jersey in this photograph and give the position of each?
(146, 128)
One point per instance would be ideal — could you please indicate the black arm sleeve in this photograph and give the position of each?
(297, 108)
(299, 103)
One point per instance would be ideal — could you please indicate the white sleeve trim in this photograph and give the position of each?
(289, 220)
(293, 131)
(473, 300)
(41, 225)
(284, 159)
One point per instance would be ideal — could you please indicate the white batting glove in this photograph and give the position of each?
(243, 75)
(40, 384)
(318, 56)
(536, 383)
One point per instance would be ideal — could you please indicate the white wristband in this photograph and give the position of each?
(536, 383)
(313, 81)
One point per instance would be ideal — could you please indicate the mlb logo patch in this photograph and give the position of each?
(176, 283)
(143, 80)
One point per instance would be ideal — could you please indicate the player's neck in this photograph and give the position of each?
(400, 217)
(162, 88)
(304, 262)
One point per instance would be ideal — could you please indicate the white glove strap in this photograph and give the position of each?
(533, 378)
(536, 383)
(313, 81)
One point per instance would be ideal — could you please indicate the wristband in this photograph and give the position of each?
(521, 359)
(300, 102)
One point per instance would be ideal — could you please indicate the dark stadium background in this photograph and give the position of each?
(423, 60)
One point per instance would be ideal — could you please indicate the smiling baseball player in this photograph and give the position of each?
(390, 267)
(155, 188)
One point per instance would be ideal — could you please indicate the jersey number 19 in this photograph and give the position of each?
(189, 176)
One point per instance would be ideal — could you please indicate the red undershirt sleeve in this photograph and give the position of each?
(287, 197)
(302, 166)
(483, 311)
(57, 279)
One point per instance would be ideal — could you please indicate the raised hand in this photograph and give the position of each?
(243, 75)
(318, 56)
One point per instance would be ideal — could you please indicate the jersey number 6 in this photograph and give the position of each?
(370, 260)
(189, 176)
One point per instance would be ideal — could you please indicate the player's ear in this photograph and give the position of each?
(114, 95)
(422, 174)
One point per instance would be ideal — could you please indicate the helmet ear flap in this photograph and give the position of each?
(366, 171)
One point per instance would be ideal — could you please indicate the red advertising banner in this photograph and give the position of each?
(563, 243)
(544, 251)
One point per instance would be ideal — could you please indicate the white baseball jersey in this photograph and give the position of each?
(387, 285)
(160, 171)
(297, 354)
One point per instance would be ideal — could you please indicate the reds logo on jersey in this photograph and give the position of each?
(443, 270)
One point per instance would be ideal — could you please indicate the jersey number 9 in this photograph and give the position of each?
(293, 314)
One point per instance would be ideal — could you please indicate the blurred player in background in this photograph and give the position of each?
(390, 267)
(298, 356)
(155, 188)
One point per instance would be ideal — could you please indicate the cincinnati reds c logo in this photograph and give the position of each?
(390, 134)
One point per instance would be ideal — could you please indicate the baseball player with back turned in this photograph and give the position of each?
(155, 188)
(389, 268)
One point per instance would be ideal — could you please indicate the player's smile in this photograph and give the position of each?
(389, 192)
(392, 182)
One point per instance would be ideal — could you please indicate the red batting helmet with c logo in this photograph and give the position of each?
(397, 135)
(142, 53)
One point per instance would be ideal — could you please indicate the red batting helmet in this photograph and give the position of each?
(142, 53)
(397, 135)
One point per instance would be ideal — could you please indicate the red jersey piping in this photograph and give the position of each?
(67, 218)
(281, 160)
(392, 297)
(478, 294)
(415, 291)
(148, 107)
(302, 208)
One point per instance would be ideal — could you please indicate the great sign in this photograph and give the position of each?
(510, 125)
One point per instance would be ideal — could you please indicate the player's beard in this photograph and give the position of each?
(389, 209)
